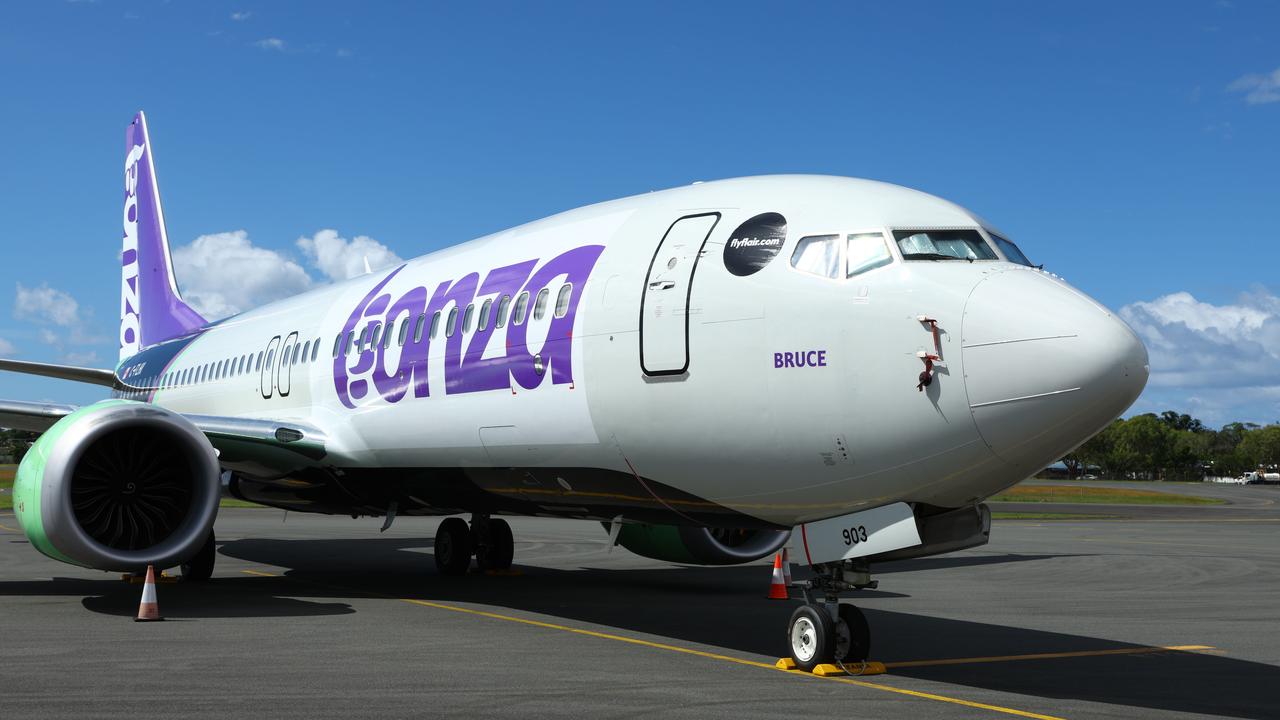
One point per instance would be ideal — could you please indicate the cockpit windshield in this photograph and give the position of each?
(943, 245)
(1011, 251)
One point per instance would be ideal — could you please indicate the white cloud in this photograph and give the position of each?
(1223, 360)
(224, 273)
(339, 258)
(88, 358)
(7, 349)
(271, 44)
(1259, 89)
(344, 53)
(241, 16)
(46, 304)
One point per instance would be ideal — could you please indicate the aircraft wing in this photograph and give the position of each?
(258, 441)
(63, 372)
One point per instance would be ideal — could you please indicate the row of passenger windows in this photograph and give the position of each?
(833, 257)
(302, 352)
(375, 334)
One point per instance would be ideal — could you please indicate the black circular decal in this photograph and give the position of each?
(755, 243)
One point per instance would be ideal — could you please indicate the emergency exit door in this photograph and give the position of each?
(664, 306)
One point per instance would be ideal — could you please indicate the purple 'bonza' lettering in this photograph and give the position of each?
(478, 372)
(413, 355)
(557, 353)
(355, 389)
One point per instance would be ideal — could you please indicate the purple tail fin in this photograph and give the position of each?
(151, 309)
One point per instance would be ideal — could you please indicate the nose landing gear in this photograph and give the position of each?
(826, 631)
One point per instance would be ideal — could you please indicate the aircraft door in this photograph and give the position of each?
(668, 289)
(265, 376)
(286, 365)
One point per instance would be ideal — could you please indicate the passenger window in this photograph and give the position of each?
(270, 356)
(522, 304)
(337, 345)
(540, 305)
(306, 351)
(483, 322)
(364, 334)
(562, 300)
(818, 255)
(466, 318)
(453, 322)
(1011, 251)
(259, 365)
(417, 327)
(386, 336)
(435, 323)
(374, 337)
(866, 251)
(315, 350)
(943, 245)
(404, 332)
(347, 348)
(503, 304)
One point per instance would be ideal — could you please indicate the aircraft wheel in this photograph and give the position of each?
(200, 567)
(810, 636)
(499, 547)
(852, 636)
(453, 547)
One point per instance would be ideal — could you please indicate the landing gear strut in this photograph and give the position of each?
(489, 539)
(826, 631)
(200, 567)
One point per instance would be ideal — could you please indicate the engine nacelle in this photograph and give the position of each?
(118, 485)
(701, 546)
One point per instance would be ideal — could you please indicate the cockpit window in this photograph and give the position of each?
(1010, 251)
(819, 255)
(943, 245)
(866, 251)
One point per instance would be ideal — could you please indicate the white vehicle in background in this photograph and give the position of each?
(1261, 478)
(703, 369)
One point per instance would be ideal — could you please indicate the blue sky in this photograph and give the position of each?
(1132, 148)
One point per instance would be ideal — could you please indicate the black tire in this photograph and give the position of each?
(498, 548)
(453, 547)
(810, 637)
(852, 636)
(200, 567)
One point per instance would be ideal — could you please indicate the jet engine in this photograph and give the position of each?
(701, 545)
(118, 485)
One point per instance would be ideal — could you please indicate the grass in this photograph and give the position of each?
(1088, 494)
(6, 492)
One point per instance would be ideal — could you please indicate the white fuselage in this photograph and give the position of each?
(799, 400)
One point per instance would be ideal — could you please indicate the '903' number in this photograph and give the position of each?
(854, 535)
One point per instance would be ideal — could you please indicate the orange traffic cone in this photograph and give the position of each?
(149, 609)
(778, 588)
(786, 567)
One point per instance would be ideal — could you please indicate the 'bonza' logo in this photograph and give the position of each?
(130, 326)
(475, 367)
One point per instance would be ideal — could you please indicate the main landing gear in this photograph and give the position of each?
(489, 539)
(827, 631)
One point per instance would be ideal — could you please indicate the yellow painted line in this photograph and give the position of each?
(673, 648)
(6, 527)
(725, 658)
(1048, 656)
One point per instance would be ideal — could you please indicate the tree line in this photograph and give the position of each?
(1175, 446)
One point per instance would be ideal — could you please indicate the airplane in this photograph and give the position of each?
(844, 367)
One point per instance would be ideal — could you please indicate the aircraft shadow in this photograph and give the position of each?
(725, 607)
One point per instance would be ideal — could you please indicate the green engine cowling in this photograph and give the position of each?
(701, 545)
(118, 485)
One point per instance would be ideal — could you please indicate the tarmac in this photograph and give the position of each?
(1164, 613)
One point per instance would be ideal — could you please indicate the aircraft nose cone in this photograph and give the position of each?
(1045, 366)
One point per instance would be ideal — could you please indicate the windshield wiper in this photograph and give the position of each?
(929, 256)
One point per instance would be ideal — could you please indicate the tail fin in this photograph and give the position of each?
(151, 309)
